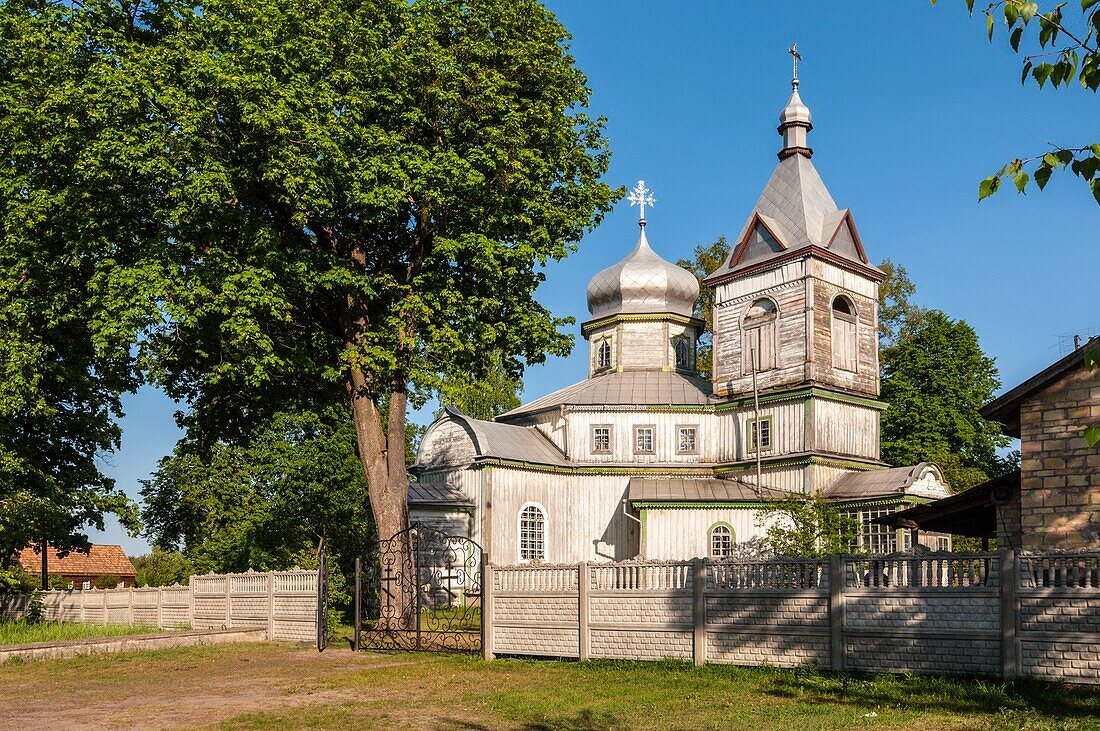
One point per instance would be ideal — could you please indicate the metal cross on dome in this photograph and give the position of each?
(795, 58)
(641, 196)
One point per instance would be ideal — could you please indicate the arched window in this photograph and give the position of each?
(844, 329)
(603, 354)
(721, 541)
(683, 353)
(532, 533)
(758, 336)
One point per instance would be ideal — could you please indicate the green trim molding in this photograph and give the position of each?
(591, 325)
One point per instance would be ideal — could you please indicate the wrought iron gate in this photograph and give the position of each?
(421, 592)
(322, 599)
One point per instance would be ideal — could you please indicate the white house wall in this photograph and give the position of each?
(584, 515)
(677, 534)
(666, 440)
(846, 429)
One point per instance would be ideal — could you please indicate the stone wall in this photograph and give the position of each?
(284, 603)
(1060, 487)
(992, 614)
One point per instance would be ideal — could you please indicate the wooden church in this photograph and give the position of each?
(645, 459)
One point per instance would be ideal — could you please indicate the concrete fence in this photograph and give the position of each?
(994, 614)
(284, 603)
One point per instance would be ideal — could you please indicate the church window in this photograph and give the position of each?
(721, 541)
(844, 334)
(643, 439)
(758, 336)
(759, 432)
(603, 354)
(532, 533)
(876, 538)
(689, 443)
(683, 352)
(601, 439)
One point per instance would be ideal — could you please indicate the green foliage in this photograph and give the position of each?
(162, 568)
(897, 315)
(106, 581)
(60, 380)
(935, 379)
(492, 394)
(1059, 51)
(808, 527)
(707, 259)
(16, 581)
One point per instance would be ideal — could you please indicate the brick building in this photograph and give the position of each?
(83, 569)
(1053, 501)
(1059, 489)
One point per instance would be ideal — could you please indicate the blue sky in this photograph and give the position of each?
(912, 107)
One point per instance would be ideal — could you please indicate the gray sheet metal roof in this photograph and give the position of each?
(508, 441)
(628, 388)
(643, 282)
(895, 481)
(423, 493)
(798, 209)
(697, 490)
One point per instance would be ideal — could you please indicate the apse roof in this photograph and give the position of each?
(626, 388)
(422, 493)
(895, 481)
(508, 441)
(699, 489)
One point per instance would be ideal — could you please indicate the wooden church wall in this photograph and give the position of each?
(846, 429)
(622, 423)
(446, 443)
(787, 428)
(674, 533)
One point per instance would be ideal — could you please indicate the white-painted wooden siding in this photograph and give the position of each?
(446, 443)
(677, 534)
(848, 429)
(666, 438)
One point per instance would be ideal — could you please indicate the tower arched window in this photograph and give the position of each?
(603, 354)
(844, 332)
(758, 336)
(721, 541)
(683, 353)
(532, 533)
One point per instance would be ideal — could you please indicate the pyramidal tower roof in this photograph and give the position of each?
(795, 212)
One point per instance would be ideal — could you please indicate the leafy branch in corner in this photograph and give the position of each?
(1061, 53)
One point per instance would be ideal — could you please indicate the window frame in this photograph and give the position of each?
(749, 422)
(713, 532)
(598, 344)
(851, 317)
(679, 341)
(652, 438)
(679, 438)
(766, 326)
(545, 532)
(592, 439)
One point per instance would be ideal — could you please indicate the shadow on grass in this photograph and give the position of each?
(587, 720)
(955, 694)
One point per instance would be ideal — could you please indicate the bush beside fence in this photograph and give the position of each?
(995, 614)
(284, 603)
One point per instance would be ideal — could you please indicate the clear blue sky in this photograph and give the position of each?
(912, 107)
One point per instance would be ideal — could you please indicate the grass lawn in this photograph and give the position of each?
(275, 686)
(20, 632)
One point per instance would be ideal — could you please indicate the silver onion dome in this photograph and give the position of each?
(643, 283)
(796, 110)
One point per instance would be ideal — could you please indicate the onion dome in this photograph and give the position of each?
(643, 282)
(795, 121)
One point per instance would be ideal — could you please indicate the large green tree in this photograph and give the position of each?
(60, 381)
(935, 379)
(317, 202)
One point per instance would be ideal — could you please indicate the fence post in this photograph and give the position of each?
(1010, 612)
(228, 601)
(104, 607)
(83, 613)
(486, 607)
(131, 612)
(837, 579)
(583, 584)
(271, 603)
(699, 610)
(160, 607)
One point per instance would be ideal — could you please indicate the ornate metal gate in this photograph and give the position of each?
(421, 592)
(322, 599)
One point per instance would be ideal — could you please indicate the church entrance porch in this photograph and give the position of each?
(420, 590)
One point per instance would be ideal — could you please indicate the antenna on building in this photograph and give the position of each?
(1070, 342)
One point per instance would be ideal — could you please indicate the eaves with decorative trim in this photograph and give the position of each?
(803, 252)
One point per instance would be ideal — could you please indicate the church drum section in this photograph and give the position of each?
(421, 590)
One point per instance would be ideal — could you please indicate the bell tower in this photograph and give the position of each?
(796, 325)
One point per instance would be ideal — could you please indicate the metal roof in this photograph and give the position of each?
(626, 388)
(700, 490)
(423, 493)
(971, 512)
(508, 441)
(645, 283)
(886, 483)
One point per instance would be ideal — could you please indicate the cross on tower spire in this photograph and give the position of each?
(795, 58)
(641, 196)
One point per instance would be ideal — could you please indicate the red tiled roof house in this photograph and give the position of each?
(79, 567)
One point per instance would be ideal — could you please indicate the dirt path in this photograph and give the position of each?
(177, 689)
